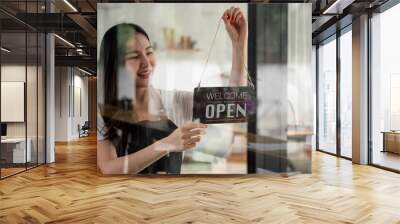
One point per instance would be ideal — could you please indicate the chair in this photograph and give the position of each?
(84, 130)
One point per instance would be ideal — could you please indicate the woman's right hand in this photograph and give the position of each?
(184, 137)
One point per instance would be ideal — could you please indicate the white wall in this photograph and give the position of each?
(70, 83)
(61, 103)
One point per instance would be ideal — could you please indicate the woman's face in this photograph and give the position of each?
(139, 59)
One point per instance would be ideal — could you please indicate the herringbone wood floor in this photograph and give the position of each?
(70, 191)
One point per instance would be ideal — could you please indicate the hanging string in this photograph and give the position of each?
(250, 82)
(209, 51)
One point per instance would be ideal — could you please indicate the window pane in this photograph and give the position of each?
(346, 94)
(327, 97)
(386, 89)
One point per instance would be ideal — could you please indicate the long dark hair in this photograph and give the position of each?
(111, 58)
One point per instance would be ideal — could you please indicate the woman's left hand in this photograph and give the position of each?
(236, 25)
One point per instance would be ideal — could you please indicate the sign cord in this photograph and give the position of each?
(250, 82)
(209, 51)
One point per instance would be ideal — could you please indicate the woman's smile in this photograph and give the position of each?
(144, 74)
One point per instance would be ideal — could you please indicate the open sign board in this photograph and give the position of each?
(214, 105)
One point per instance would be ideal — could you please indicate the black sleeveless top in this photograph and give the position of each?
(134, 137)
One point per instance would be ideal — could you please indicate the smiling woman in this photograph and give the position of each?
(140, 131)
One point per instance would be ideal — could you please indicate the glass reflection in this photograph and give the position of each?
(282, 141)
(278, 139)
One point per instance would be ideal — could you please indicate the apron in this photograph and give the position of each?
(135, 137)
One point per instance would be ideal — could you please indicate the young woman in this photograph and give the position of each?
(148, 134)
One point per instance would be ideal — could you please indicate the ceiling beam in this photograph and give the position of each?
(84, 24)
(78, 61)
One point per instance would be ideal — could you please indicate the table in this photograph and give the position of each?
(391, 141)
(13, 150)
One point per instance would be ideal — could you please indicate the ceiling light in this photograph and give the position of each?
(328, 10)
(80, 51)
(84, 71)
(5, 50)
(338, 6)
(70, 5)
(64, 40)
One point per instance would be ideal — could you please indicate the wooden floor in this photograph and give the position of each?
(5, 172)
(71, 191)
(387, 159)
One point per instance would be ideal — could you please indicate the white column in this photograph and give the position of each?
(360, 90)
(50, 99)
(50, 92)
